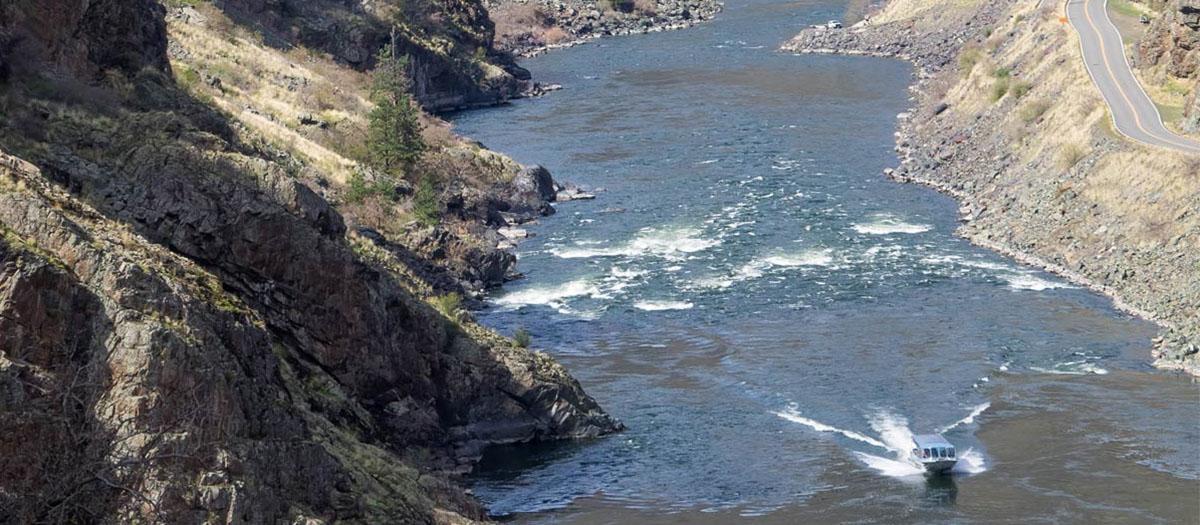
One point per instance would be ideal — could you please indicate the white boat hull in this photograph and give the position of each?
(939, 466)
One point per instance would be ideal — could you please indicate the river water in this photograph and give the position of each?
(772, 318)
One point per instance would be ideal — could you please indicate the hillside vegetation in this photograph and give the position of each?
(211, 307)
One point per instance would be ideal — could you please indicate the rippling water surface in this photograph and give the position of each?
(772, 318)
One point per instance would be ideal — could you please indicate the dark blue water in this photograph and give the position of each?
(772, 318)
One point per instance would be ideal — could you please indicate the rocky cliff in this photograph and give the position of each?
(1172, 44)
(448, 42)
(1007, 120)
(191, 332)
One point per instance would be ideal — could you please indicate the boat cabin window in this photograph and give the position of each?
(925, 454)
(951, 451)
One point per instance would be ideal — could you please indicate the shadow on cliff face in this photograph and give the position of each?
(448, 42)
(52, 332)
(302, 375)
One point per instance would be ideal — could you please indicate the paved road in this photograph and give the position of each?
(1134, 114)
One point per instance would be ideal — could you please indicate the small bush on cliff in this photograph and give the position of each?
(522, 338)
(1021, 89)
(359, 188)
(1033, 110)
(968, 59)
(999, 89)
(1070, 155)
(450, 305)
(394, 140)
(426, 205)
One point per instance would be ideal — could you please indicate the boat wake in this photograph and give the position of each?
(896, 438)
(966, 420)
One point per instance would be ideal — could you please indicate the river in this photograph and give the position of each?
(772, 318)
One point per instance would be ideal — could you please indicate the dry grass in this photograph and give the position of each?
(519, 19)
(268, 90)
(923, 11)
(555, 35)
(1070, 155)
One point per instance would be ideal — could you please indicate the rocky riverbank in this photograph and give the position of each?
(531, 27)
(1006, 120)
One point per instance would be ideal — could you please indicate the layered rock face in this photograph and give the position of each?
(1173, 39)
(84, 37)
(188, 333)
(448, 42)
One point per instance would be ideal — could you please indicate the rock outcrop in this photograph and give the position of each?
(83, 38)
(1173, 39)
(190, 333)
(448, 43)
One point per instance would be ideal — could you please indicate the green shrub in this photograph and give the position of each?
(1002, 72)
(359, 188)
(450, 305)
(999, 89)
(1020, 89)
(426, 205)
(968, 59)
(1033, 110)
(522, 338)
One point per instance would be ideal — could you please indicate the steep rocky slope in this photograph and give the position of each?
(1007, 120)
(189, 330)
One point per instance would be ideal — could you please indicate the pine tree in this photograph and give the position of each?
(394, 139)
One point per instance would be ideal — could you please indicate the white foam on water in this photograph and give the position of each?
(791, 413)
(892, 468)
(751, 270)
(1072, 368)
(621, 273)
(709, 161)
(970, 462)
(807, 258)
(893, 430)
(716, 283)
(969, 419)
(659, 306)
(548, 295)
(986, 265)
(886, 225)
(1025, 281)
(668, 244)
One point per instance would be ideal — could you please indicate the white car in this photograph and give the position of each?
(833, 24)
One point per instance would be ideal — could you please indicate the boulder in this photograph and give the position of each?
(535, 180)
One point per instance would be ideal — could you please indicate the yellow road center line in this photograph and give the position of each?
(1170, 138)
(1137, 117)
